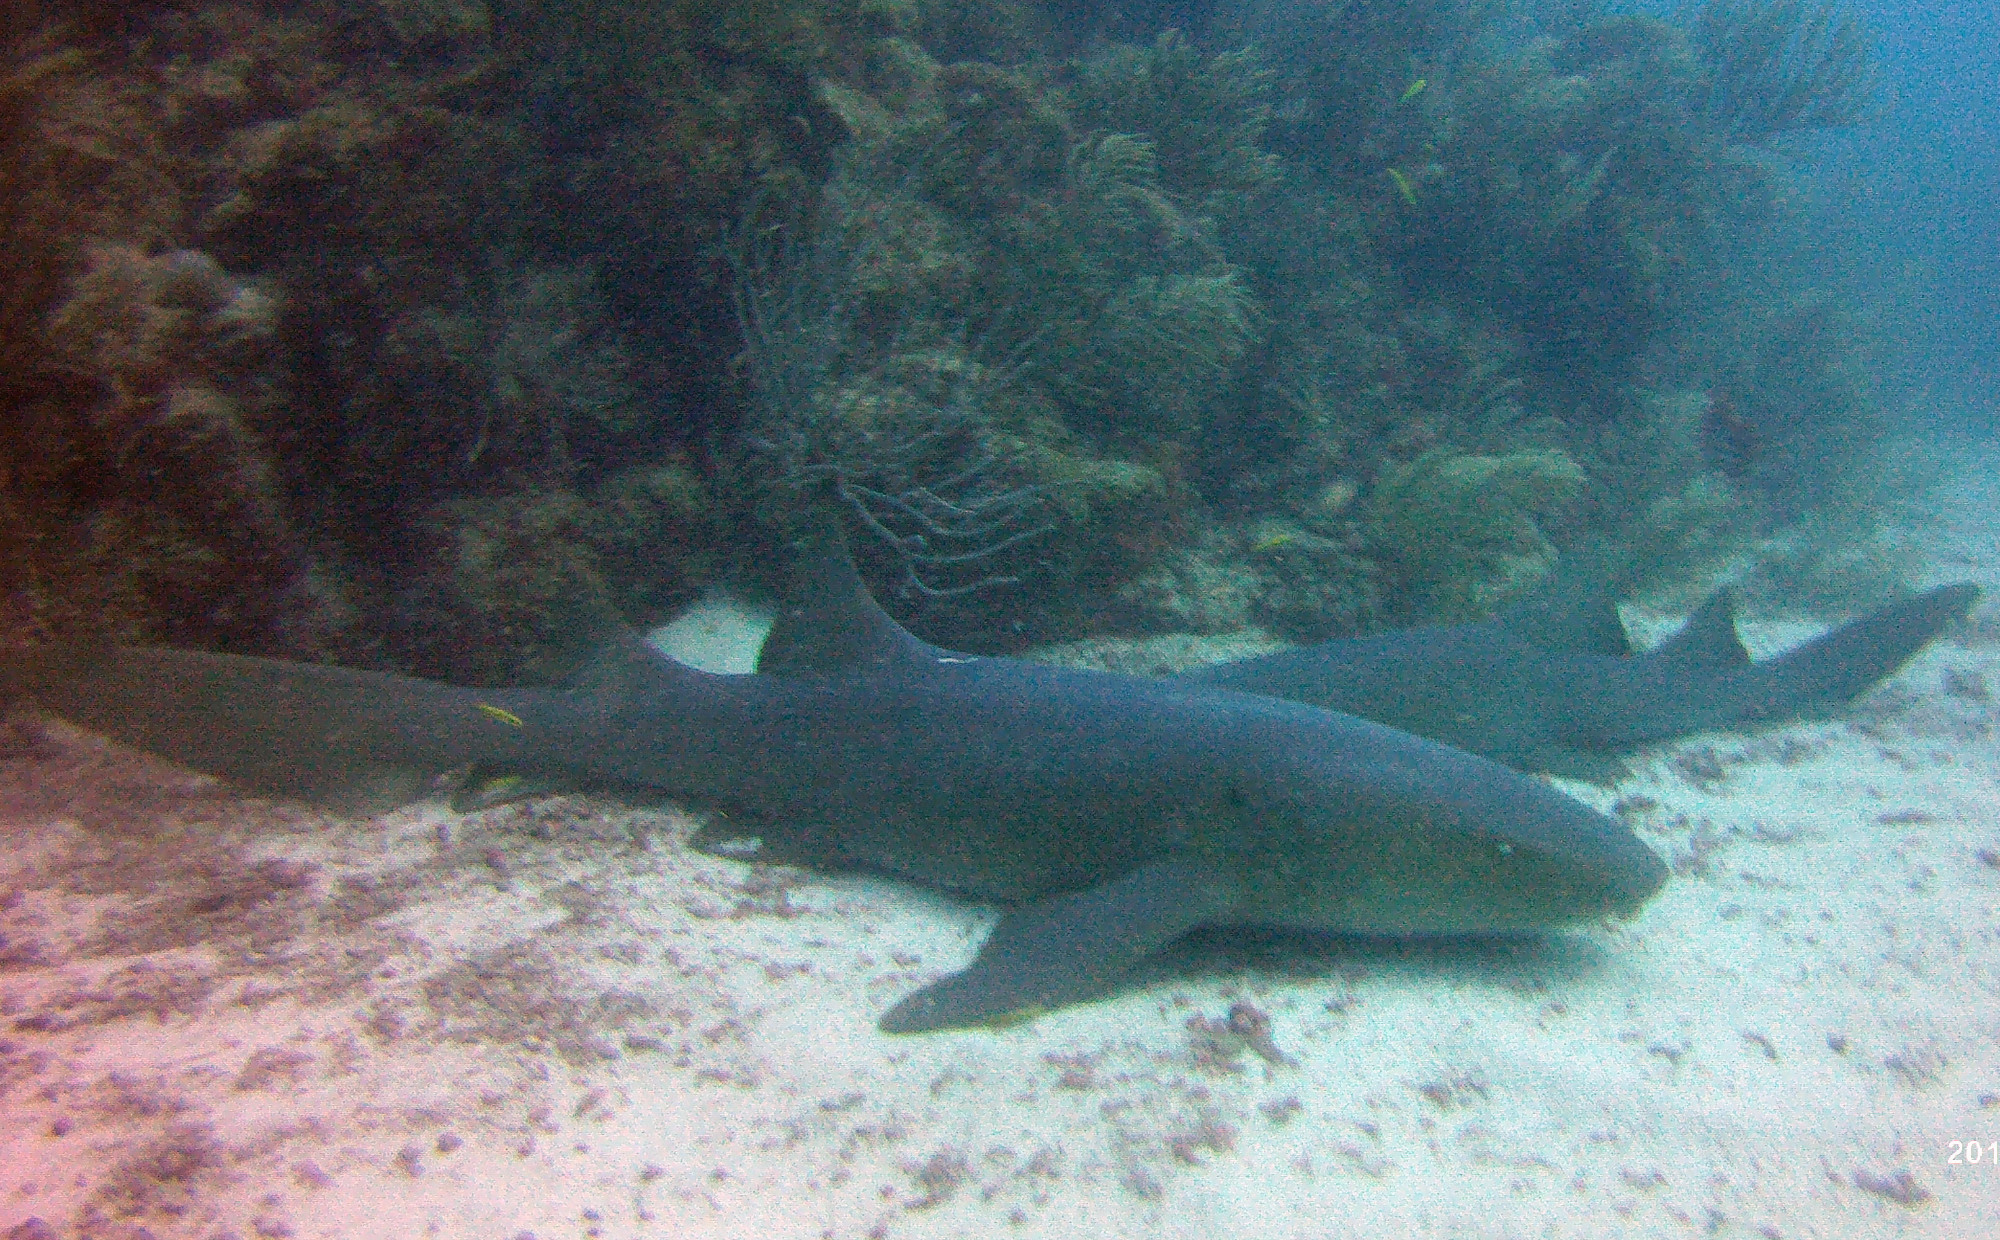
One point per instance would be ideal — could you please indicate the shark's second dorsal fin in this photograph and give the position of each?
(1568, 614)
(830, 623)
(1708, 639)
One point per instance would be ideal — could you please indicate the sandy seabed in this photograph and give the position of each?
(222, 1016)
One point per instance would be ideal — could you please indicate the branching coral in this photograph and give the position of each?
(1577, 185)
(1005, 297)
(888, 414)
(1138, 318)
(1782, 66)
(1204, 116)
(1114, 274)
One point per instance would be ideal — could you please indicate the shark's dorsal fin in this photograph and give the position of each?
(1708, 639)
(830, 623)
(1568, 614)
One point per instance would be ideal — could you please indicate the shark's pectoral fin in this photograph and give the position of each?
(1070, 947)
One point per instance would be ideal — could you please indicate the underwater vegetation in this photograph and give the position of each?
(433, 334)
(1460, 529)
(1781, 66)
(1578, 177)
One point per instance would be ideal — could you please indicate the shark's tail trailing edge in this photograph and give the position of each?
(1842, 664)
(334, 736)
(30, 672)
(1698, 679)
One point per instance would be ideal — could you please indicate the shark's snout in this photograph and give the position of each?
(1636, 881)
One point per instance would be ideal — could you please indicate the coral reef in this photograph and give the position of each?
(1461, 528)
(295, 287)
(1782, 66)
(135, 491)
(1005, 321)
(437, 334)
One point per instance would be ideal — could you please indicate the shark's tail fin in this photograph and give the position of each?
(331, 735)
(1702, 678)
(1840, 665)
(31, 672)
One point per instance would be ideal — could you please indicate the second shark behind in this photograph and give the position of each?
(1553, 686)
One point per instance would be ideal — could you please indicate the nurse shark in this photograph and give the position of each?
(1553, 685)
(1108, 815)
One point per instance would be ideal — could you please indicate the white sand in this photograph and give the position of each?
(720, 633)
(223, 1017)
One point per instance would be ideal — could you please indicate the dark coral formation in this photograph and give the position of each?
(437, 334)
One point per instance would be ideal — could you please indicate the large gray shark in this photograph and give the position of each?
(1554, 686)
(1110, 814)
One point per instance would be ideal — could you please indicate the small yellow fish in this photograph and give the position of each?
(484, 789)
(507, 717)
(1271, 542)
(1413, 90)
(1403, 186)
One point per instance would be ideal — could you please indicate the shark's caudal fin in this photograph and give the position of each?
(1702, 679)
(1837, 666)
(331, 735)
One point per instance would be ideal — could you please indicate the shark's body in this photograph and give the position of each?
(1112, 814)
(1557, 688)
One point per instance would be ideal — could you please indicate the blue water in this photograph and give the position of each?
(1916, 198)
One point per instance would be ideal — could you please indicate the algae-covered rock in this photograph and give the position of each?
(1268, 575)
(1461, 529)
(523, 584)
